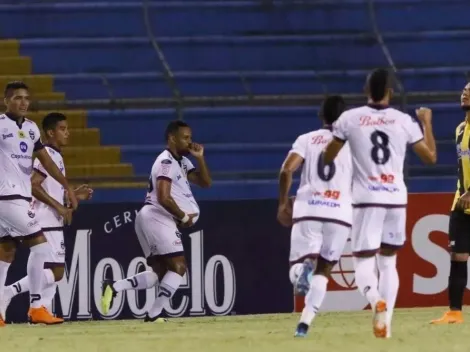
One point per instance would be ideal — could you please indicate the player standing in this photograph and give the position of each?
(459, 223)
(19, 142)
(48, 204)
(169, 204)
(378, 136)
(322, 211)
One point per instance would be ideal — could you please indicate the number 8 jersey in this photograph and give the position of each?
(378, 137)
(324, 192)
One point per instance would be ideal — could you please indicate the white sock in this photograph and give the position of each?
(366, 279)
(294, 272)
(144, 280)
(168, 286)
(48, 294)
(35, 270)
(22, 286)
(3, 277)
(388, 283)
(314, 298)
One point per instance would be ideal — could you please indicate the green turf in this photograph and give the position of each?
(331, 332)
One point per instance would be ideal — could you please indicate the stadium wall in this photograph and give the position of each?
(238, 259)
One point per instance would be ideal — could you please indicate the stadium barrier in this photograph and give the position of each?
(238, 263)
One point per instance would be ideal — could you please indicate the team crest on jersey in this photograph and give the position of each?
(21, 134)
(31, 134)
(23, 147)
(166, 164)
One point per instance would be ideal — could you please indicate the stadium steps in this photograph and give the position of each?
(81, 160)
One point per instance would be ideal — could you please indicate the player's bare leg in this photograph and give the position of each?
(368, 284)
(458, 278)
(141, 281)
(40, 249)
(388, 280)
(169, 284)
(7, 254)
(315, 296)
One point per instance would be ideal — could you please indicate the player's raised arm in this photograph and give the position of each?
(425, 147)
(201, 175)
(340, 136)
(56, 174)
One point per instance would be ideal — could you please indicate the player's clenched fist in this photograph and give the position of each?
(424, 115)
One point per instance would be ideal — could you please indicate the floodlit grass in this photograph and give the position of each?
(331, 332)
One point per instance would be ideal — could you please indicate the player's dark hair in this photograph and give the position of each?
(50, 121)
(173, 127)
(332, 107)
(12, 86)
(378, 82)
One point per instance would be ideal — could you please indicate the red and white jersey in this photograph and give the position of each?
(378, 138)
(175, 170)
(48, 217)
(324, 192)
(17, 144)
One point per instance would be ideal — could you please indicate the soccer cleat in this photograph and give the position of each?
(450, 317)
(108, 295)
(305, 276)
(157, 319)
(380, 319)
(301, 330)
(42, 316)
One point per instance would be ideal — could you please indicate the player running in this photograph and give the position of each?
(19, 142)
(48, 203)
(378, 136)
(169, 204)
(322, 211)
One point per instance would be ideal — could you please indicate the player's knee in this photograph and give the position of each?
(324, 267)
(7, 251)
(177, 265)
(459, 257)
(58, 272)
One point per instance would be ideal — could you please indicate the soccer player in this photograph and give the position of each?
(48, 204)
(322, 211)
(378, 136)
(19, 142)
(169, 204)
(459, 223)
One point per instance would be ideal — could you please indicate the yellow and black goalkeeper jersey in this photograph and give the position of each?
(462, 141)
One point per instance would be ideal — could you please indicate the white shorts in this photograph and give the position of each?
(18, 219)
(56, 240)
(313, 238)
(374, 226)
(157, 236)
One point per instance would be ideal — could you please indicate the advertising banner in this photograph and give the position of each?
(237, 256)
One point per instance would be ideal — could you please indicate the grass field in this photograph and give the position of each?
(331, 332)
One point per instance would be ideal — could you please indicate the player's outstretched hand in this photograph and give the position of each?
(196, 150)
(84, 192)
(284, 214)
(424, 115)
(464, 201)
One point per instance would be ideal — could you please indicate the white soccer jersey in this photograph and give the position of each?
(168, 167)
(378, 138)
(48, 217)
(17, 144)
(324, 192)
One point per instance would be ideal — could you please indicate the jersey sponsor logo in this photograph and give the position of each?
(379, 188)
(324, 203)
(32, 135)
(21, 135)
(23, 147)
(166, 164)
(375, 121)
(5, 136)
